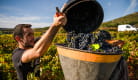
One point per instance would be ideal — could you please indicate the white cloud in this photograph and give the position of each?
(132, 6)
(11, 21)
(30, 18)
(21, 17)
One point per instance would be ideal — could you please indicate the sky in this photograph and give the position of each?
(40, 13)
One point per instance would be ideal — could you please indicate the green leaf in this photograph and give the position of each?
(95, 46)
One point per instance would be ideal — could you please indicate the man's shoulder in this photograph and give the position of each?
(17, 53)
(18, 50)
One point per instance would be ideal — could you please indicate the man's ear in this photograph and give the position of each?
(17, 38)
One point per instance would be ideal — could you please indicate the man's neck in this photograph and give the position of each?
(21, 46)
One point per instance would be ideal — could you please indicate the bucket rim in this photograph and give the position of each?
(92, 52)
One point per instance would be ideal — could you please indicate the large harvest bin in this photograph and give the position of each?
(83, 65)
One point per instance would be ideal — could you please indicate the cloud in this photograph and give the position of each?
(132, 6)
(11, 21)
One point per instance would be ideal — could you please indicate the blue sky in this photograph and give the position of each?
(40, 13)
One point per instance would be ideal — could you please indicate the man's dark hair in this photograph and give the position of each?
(18, 30)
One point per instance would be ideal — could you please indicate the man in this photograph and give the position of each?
(27, 51)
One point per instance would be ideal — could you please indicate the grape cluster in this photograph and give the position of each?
(84, 40)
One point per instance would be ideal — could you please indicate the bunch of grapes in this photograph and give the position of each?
(84, 41)
(79, 40)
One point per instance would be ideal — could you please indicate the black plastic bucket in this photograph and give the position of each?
(83, 16)
(83, 65)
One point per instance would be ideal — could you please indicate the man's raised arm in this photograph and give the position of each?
(43, 44)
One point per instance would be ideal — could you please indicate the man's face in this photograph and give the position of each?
(28, 37)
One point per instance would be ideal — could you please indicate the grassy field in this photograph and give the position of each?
(50, 64)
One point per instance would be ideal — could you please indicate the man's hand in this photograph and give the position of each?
(59, 19)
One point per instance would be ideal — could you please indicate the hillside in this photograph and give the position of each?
(128, 19)
(6, 30)
(41, 29)
(10, 30)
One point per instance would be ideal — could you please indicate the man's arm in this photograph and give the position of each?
(43, 44)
